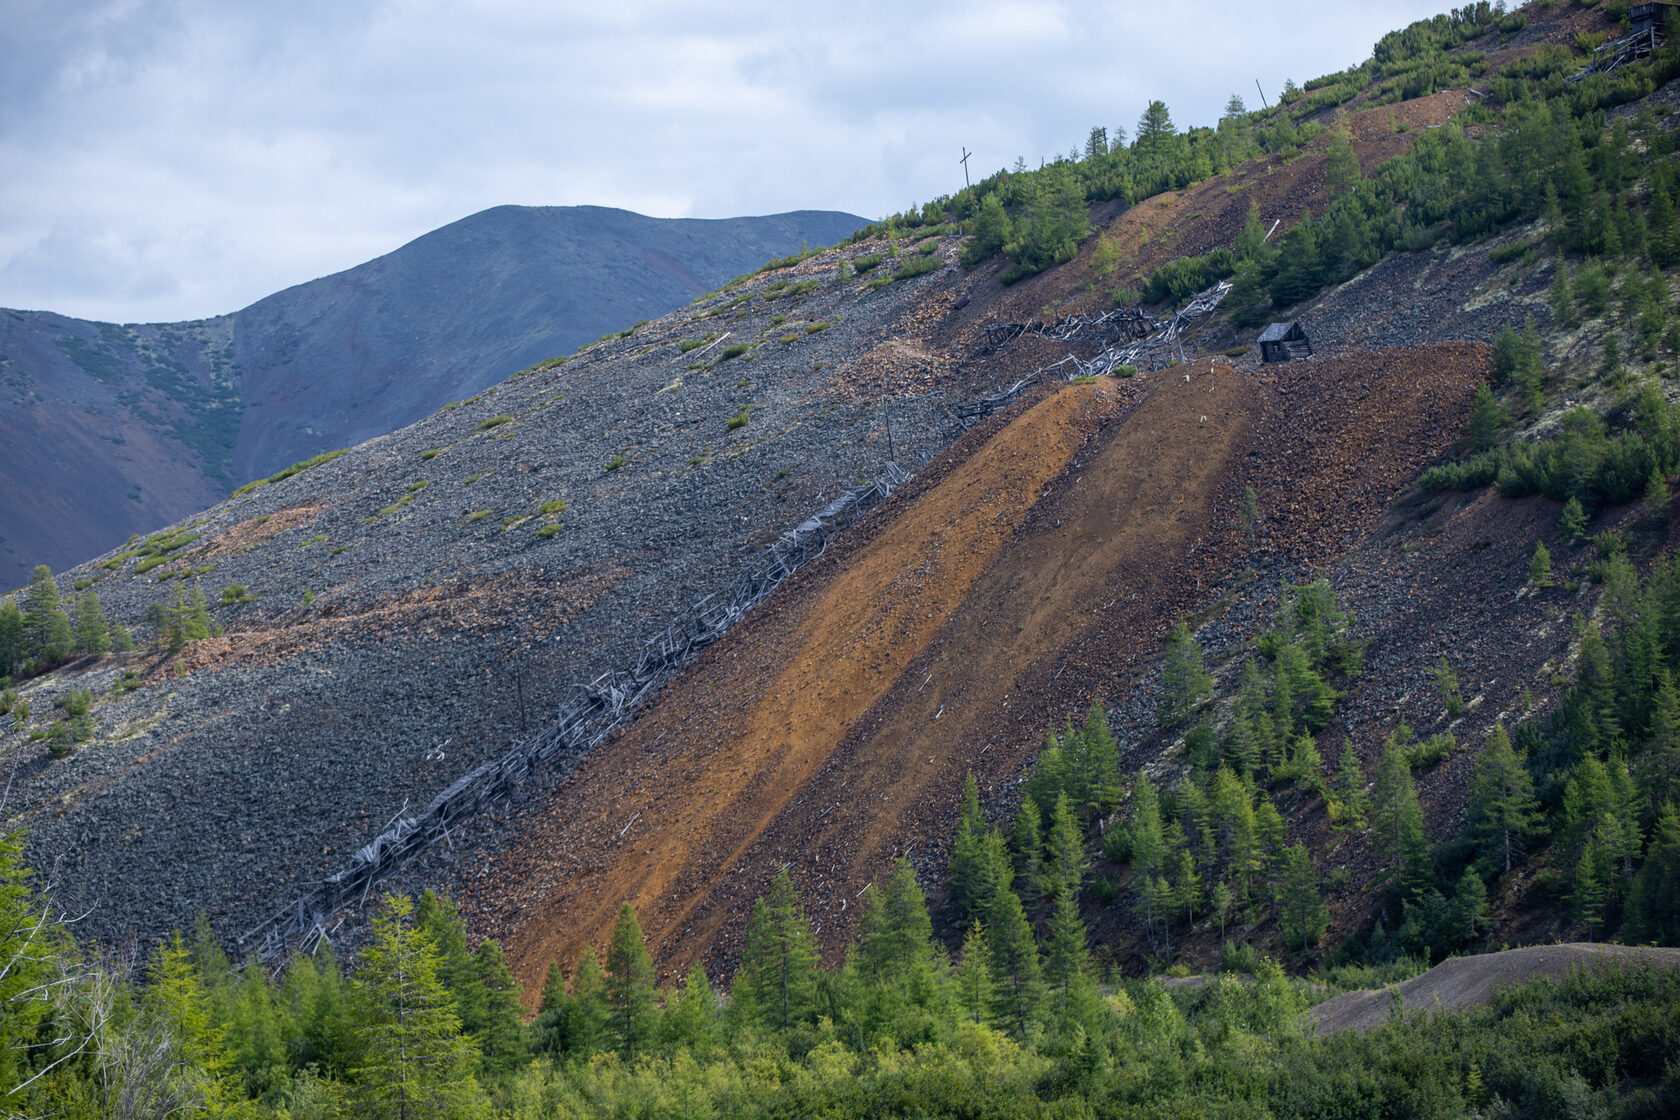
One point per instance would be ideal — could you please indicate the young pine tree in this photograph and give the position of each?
(89, 629)
(1348, 790)
(976, 994)
(777, 977)
(1184, 679)
(588, 1028)
(46, 628)
(1065, 851)
(1540, 566)
(630, 978)
(501, 1031)
(415, 1063)
(1503, 810)
(1301, 911)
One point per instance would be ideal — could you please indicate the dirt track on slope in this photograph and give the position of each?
(1466, 982)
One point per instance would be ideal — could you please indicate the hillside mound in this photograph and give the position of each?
(1465, 982)
(1032, 571)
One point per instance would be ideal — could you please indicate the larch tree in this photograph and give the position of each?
(778, 971)
(415, 1063)
(1184, 679)
(46, 627)
(1503, 808)
(630, 979)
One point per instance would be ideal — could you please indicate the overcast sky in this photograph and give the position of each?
(173, 159)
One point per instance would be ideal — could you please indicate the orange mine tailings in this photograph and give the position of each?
(825, 730)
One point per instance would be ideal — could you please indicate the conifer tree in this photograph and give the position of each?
(1066, 863)
(1469, 905)
(1573, 522)
(14, 645)
(1186, 887)
(318, 1001)
(1301, 911)
(415, 1062)
(778, 971)
(1026, 846)
(90, 632)
(630, 985)
(1098, 762)
(1015, 965)
(1184, 679)
(1067, 964)
(968, 852)
(1221, 901)
(589, 1021)
(976, 994)
(1348, 790)
(691, 1019)
(1148, 844)
(1154, 128)
(121, 640)
(1503, 810)
(1486, 418)
(1656, 896)
(1398, 820)
(1540, 567)
(501, 1031)
(1587, 893)
(175, 994)
(440, 918)
(46, 628)
(553, 989)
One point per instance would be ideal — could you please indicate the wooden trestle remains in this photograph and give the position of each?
(1127, 337)
(588, 715)
(592, 712)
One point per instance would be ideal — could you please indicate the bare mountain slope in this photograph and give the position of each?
(106, 430)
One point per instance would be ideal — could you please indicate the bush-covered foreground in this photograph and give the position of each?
(423, 1028)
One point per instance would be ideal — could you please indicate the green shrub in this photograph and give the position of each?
(789, 339)
(472, 478)
(236, 593)
(494, 422)
(432, 454)
(1125, 371)
(917, 266)
(417, 486)
(549, 530)
(558, 505)
(686, 344)
(616, 462)
(1428, 752)
(867, 261)
(734, 351)
(319, 537)
(295, 468)
(739, 420)
(813, 328)
(477, 515)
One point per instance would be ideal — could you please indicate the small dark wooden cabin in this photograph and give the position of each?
(1282, 341)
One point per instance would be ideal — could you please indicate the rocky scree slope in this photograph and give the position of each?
(399, 614)
(110, 429)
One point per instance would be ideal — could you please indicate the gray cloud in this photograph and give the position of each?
(179, 158)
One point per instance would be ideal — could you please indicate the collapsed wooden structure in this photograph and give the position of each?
(1127, 337)
(588, 715)
(1646, 35)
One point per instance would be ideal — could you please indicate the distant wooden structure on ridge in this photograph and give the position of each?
(1281, 342)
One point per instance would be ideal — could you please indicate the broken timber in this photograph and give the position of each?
(588, 715)
(1130, 337)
